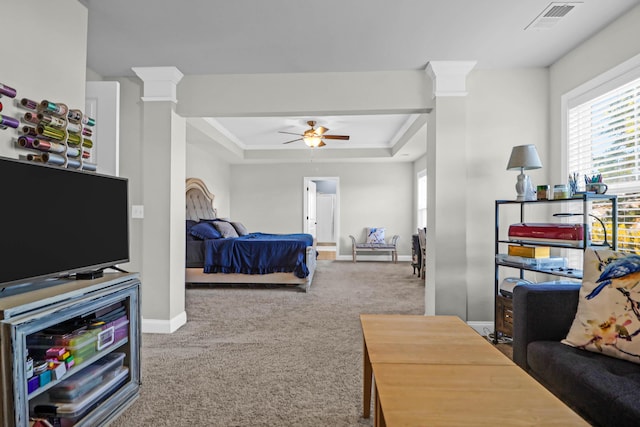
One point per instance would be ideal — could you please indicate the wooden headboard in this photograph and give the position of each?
(199, 200)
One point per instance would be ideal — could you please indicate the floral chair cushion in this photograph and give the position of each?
(608, 317)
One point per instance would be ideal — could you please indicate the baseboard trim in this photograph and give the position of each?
(159, 326)
(481, 327)
(401, 258)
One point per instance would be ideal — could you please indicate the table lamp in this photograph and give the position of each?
(524, 157)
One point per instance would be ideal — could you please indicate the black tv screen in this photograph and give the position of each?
(56, 222)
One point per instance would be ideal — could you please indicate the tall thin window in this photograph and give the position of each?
(604, 140)
(422, 199)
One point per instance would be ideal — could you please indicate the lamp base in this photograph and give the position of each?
(524, 188)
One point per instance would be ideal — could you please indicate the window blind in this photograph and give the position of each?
(604, 139)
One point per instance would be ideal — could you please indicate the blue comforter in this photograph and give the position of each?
(258, 253)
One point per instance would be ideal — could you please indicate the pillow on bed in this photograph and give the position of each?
(226, 229)
(205, 230)
(240, 228)
(190, 223)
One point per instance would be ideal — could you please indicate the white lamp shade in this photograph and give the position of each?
(524, 157)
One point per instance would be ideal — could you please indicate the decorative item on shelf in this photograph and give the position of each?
(573, 184)
(569, 235)
(604, 229)
(594, 184)
(543, 192)
(524, 157)
(561, 191)
(529, 251)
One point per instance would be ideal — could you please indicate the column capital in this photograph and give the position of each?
(159, 82)
(449, 77)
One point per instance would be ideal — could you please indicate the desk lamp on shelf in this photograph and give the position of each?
(604, 229)
(524, 157)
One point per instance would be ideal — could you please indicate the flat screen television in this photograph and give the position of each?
(57, 222)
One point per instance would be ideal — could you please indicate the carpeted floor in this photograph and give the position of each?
(271, 356)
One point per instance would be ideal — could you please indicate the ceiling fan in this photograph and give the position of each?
(314, 137)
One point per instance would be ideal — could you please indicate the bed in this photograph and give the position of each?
(250, 258)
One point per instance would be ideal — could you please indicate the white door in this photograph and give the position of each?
(325, 204)
(102, 103)
(311, 208)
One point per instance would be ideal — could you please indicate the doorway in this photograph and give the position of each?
(321, 213)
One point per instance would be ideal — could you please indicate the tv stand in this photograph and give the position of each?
(23, 318)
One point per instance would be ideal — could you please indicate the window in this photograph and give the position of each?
(422, 199)
(604, 140)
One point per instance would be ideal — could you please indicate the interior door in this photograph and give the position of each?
(325, 217)
(311, 208)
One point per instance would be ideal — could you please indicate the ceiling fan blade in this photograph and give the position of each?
(342, 137)
(290, 133)
(320, 130)
(293, 140)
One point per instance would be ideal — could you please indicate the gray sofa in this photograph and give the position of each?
(602, 389)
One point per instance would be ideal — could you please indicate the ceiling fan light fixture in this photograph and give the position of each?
(312, 141)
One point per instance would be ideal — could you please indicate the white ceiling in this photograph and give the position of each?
(297, 36)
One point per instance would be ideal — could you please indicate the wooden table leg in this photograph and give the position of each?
(378, 421)
(366, 381)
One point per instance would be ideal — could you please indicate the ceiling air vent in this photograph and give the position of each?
(551, 15)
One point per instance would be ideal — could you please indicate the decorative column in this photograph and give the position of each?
(163, 181)
(446, 278)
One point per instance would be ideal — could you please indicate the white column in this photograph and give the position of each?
(163, 181)
(446, 278)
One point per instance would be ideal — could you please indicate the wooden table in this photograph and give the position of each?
(436, 370)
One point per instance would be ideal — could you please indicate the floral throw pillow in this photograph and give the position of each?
(608, 317)
(375, 235)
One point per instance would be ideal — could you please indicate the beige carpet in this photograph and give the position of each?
(271, 356)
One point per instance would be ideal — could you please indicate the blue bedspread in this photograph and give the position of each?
(258, 253)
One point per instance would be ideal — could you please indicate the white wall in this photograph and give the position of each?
(269, 198)
(42, 73)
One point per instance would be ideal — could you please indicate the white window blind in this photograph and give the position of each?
(604, 140)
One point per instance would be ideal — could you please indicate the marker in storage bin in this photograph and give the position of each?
(80, 343)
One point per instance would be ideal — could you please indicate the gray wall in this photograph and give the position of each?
(613, 45)
(215, 172)
(42, 73)
(269, 198)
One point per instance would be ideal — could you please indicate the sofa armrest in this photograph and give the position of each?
(541, 313)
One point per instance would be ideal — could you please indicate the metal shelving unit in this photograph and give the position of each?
(503, 308)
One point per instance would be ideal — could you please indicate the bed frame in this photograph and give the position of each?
(199, 201)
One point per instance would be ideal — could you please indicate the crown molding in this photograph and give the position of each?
(449, 77)
(159, 82)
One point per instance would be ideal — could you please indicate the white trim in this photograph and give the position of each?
(481, 327)
(449, 78)
(365, 258)
(159, 83)
(160, 326)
